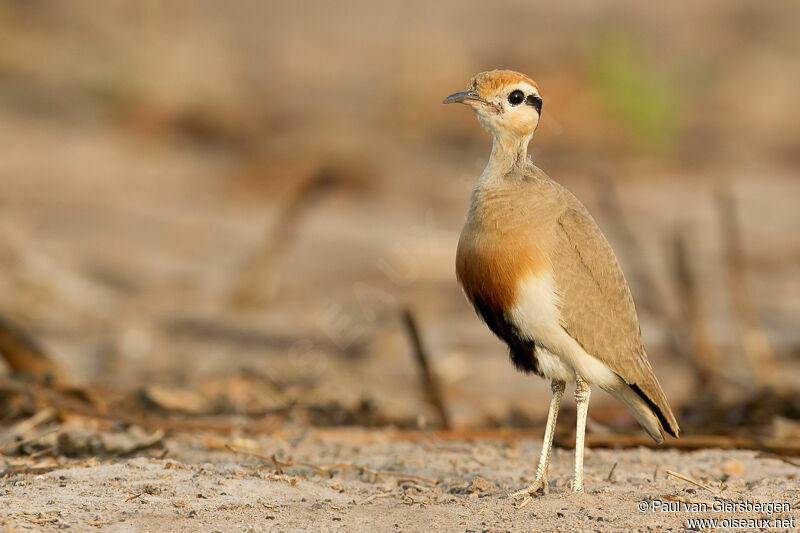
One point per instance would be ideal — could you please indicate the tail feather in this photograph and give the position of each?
(641, 410)
(660, 408)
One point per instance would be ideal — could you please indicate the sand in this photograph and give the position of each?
(201, 489)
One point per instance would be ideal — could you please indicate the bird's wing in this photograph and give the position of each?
(597, 307)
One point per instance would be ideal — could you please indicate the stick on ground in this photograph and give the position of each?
(692, 481)
(788, 447)
(254, 274)
(704, 355)
(430, 382)
(328, 469)
(56, 400)
(24, 355)
(650, 295)
(754, 341)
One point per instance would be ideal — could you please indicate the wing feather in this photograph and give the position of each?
(597, 306)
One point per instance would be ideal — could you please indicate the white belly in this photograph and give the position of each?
(537, 316)
(553, 367)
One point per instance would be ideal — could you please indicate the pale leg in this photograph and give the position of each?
(544, 458)
(582, 393)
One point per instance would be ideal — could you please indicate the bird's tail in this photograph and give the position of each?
(640, 409)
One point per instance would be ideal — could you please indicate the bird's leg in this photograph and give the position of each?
(544, 459)
(582, 393)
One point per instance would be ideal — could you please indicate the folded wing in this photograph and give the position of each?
(598, 311)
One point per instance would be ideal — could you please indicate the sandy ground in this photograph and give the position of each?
(203, 489)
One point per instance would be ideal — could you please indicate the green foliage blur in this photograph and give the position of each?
(641, 97)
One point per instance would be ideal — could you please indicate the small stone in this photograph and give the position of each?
(733, 467)
(479, 485)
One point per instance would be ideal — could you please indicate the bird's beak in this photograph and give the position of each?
(464, 97)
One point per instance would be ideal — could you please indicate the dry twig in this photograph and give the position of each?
(694, 442)
(24, 355)
(374, 497)
(43, 452)
(253, 276)
(754, 341)
(650, 295)
(40, 521)
(62, 402)
(430, 382)
(778, 457)
(330, 468)
(692, 481)
(29, 424)
(611, 473)
(211, 329)
(788, 447)
(18, 444)
(704, 354)
(21, 470)
(156, 438)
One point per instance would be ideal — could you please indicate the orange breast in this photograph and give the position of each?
(490, 265)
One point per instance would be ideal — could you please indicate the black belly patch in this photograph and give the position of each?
(521, 350)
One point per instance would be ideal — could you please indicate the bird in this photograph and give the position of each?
(539, 272)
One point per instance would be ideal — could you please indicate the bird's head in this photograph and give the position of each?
(507, 103)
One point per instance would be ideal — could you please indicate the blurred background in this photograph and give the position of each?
(229, 212)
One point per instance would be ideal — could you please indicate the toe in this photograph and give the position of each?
(531, 489)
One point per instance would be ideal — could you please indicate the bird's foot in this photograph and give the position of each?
(540, 483)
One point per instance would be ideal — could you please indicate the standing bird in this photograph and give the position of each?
(540, 273)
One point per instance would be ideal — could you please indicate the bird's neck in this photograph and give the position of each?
(508, 151)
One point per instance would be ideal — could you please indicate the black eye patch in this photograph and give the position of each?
(535, 101)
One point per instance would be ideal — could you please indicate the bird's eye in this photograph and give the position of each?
(516, 97)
